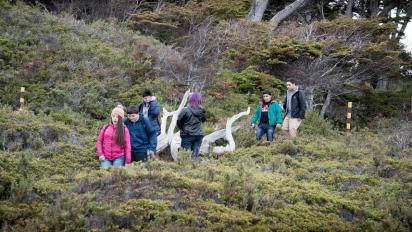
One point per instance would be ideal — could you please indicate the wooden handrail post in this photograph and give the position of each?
(22, 91)
(348, 117)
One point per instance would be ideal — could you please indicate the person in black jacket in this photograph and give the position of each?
(189, 122)
(295, 108)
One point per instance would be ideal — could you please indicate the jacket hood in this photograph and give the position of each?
(198, 112)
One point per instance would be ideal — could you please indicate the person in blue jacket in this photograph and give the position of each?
(142, 135)
(269, 115)
(150, 109)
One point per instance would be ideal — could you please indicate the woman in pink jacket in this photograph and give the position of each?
(113, 144)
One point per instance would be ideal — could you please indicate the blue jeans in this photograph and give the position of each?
(193, 143)
(265, 129)
(118, 162)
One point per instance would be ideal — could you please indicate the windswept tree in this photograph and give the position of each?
(334, 58)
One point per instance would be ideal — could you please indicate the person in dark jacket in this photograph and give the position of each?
(189, 122)
(142, 135)
(295, 108)
(150, 109)
(269, 115)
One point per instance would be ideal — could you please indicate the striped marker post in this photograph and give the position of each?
(22, 91)
(348, 117)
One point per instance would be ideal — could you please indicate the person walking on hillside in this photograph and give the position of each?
(113, 143)
(142, 135)
(295, 108)
(269, 115)
(150, 109)
(189, 122)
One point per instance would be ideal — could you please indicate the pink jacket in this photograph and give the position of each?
(110, 149)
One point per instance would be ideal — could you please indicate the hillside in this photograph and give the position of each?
(76, 70)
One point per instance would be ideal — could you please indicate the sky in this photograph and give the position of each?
(407, 40)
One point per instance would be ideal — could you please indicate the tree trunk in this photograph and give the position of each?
(406, 21)
(398, 12)
(382, 83)
(257, 9)
(228, 134)
(211, 138)
(281, 15)
(388, 8)
(373, 8)
(310, 95)
(168, 137)
(321, 11)
(349, 7)
(326, 104)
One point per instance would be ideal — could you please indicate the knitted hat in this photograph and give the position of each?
(147, 93)
(118, 111)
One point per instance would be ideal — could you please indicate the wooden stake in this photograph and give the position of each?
(348, 117)
(22, 91)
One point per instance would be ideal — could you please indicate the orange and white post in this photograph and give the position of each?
(22, 91)
(348, 117)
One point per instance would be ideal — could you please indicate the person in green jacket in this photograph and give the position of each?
(269, 115)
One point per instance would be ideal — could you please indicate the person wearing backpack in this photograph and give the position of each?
(142, 135)
(113, 143)
(269, 115)
(189, 122)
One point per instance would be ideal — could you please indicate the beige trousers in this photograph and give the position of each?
(291, 125)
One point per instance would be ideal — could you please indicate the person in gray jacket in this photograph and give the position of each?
(190, 122)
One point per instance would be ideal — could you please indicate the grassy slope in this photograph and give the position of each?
(50, 181)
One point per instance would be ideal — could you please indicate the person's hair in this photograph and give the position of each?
(133, 110)
(268, 92)
(195, 100)
(291, 81)
(120, 131)
(147, 92)
(120, 105)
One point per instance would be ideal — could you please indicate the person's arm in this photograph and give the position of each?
(154, 110)
(302, 105)
(284, 103)
(99, 144)
(151, 133)
(181, 118)
(203, 119)
(278, 112)
(128, 148)
(255, 115)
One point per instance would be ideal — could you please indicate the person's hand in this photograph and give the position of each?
(151, 154)
(252, 126)
(278, 126)
(101, 158)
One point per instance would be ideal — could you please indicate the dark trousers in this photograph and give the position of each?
(267, 129)
(139, 156)
(193, 143)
